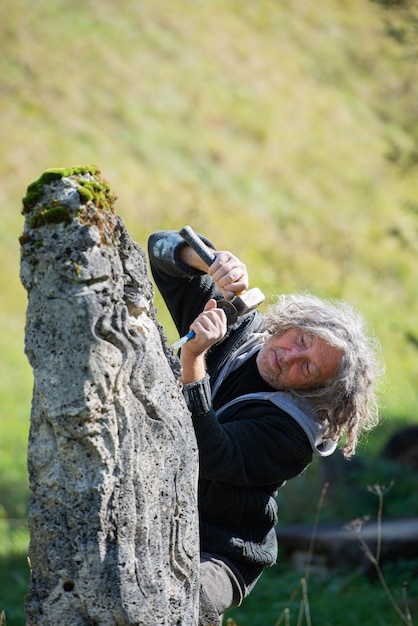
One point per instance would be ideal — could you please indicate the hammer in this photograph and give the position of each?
(238, 306)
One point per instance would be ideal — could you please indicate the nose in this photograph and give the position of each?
(293, 355)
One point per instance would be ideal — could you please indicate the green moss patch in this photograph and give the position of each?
(35, 190)
(50, 215)
(97, 191)
(96, 201)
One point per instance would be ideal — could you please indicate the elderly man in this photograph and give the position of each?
(265, 394)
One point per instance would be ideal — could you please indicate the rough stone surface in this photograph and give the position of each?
(112, 456)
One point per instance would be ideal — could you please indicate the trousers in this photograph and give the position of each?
(221, 588)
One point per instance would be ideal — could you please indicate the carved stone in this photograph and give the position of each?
(112, 455)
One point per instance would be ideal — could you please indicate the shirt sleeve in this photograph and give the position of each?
(185, 290)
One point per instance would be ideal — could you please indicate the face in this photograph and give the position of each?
(296, 360)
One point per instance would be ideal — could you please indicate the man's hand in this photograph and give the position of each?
(209, 327)
(228, 272)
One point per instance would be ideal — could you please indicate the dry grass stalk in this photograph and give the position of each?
(356, 526)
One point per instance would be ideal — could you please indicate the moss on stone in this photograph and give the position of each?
(85, 194)
(96, 201)
(33, 195)
(50, 215)
(35, 190)
(24, 239)
(98, 191)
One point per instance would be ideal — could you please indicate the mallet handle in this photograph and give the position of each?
(197, 244)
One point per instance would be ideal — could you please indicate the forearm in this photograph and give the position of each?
(190, 258)
(193, 368)
(209, 327)
(170, 255)
(185, 289)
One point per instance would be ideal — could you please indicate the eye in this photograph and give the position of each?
(311, 370)
(304, 340)
(308, 369)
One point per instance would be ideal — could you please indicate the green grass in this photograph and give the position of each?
(285, 131)
(14, 569)
(313, 592)
(335, 599)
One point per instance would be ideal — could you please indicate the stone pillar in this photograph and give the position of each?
(112, 456)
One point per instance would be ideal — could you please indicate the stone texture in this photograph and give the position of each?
(112, 456)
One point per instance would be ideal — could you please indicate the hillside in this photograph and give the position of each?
(279, 129)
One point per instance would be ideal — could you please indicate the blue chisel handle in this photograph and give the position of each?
(180, 342)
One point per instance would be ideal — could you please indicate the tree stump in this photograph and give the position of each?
(112, 456)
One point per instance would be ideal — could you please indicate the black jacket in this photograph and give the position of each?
(248, 450)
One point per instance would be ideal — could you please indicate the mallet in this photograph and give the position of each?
(238, 306)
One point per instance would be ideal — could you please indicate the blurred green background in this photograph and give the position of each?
(285, 131)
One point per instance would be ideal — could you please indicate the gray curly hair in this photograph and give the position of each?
(347, 403)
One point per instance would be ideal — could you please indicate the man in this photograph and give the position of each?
(265, 394)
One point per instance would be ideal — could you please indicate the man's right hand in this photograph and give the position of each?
(209, 328)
